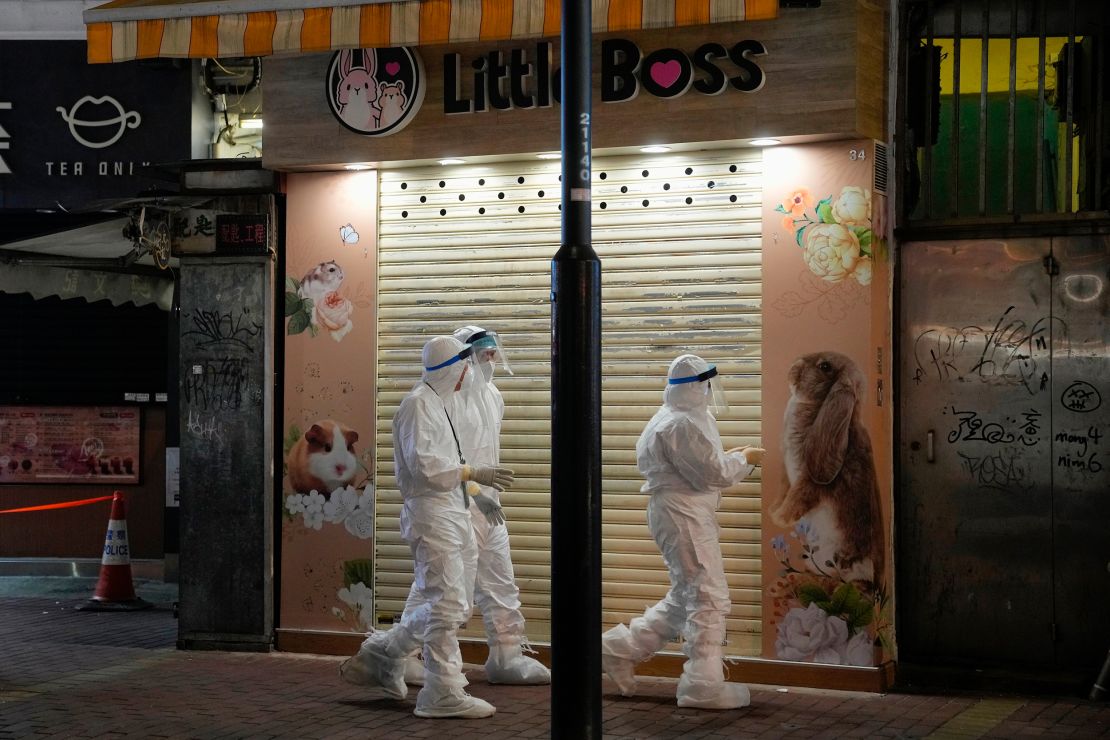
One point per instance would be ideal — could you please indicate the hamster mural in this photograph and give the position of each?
(316, 302)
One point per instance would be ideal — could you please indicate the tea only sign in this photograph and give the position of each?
(71, 133)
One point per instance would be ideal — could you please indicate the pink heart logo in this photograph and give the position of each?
(665, 74)
(392, 68)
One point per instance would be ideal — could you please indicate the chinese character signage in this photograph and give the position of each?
(69, 444)
(244, 233)
(72, 133)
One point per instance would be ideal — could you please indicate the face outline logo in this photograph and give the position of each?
(375, 92)
(123, 120)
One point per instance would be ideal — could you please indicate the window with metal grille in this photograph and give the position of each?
(1003, 109)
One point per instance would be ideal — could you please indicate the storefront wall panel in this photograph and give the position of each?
(327, 484)
(679, 240)
(826, 552)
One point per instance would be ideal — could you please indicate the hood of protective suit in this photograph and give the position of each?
(443, 365)
(687, 396)
(482, 340)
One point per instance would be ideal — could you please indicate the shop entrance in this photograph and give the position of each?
(1004, 453)
(680, 241)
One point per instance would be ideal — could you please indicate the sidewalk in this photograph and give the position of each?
(70, 674)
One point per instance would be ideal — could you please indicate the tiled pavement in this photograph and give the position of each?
(70, 674)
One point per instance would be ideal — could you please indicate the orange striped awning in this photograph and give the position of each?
(141, 29)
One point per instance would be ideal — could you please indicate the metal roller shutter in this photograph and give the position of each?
(679, 240)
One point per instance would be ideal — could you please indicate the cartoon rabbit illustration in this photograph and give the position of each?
(357, 92)
(391, 100)
(830, 466)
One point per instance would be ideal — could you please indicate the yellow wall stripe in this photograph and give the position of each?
(553, 18)
(150, 38)
(625, 14)
(691, 12)
(258, 41)
(761, 10)
(203, 38)
(400, 23)
(435, 21)
(374, 25)
(497, 20)
(99, 36)
(316, 30)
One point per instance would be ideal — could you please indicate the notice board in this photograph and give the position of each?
(70, 444)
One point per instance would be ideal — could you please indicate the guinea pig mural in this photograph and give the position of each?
(323, 459)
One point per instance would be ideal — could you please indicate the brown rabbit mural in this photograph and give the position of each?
(829, 602)
(830, 467)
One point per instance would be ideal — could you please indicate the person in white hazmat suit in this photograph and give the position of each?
(685, 466)
(495, 591)
(436, 486)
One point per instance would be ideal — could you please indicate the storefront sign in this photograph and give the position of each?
(497, 84)
(71, 133)
(69, 444)
(375, 92)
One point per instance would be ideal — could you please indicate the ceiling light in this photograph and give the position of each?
(550, 155)
(764, 142)
(654, 149)
(451, 161)
(356, 167)
(250, 120)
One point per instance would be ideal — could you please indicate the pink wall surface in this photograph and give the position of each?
(327, 544)
(826, 290)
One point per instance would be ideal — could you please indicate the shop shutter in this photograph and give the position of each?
(679, 240)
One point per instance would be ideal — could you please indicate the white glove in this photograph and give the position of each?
(490, 508)
(753, 455)
(494, 477)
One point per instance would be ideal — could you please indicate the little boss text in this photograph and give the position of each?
(498, 84)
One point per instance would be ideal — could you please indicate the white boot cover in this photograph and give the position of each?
(507, 664)
(414, 670)
(703, 684)
(617, 648)
(373, 665)
(450, 706)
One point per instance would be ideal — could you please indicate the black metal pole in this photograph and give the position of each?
(576, 412)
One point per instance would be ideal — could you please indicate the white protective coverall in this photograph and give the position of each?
(437, 526)
(682, 459)
(495, 589)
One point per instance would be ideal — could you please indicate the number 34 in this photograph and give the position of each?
(854, 154)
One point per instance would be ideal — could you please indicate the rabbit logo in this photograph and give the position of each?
(375, 92)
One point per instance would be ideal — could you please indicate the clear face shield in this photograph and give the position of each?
(714, 387)
(488, 352)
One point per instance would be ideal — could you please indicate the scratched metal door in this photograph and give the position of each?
(1081, 449)
(974, 510)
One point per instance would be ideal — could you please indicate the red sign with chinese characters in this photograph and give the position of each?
(244, 233)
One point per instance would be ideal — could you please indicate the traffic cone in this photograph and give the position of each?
(115, 590)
